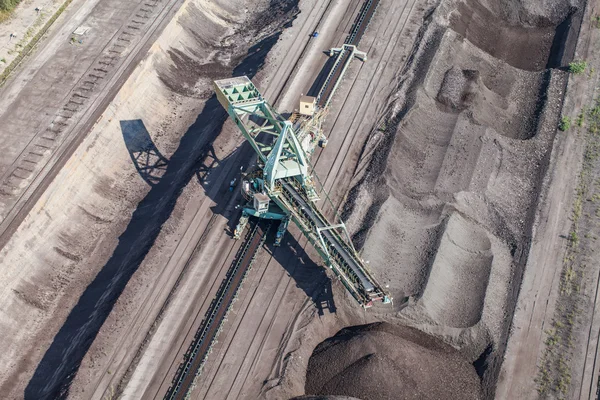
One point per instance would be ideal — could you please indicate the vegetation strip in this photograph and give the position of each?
(554, 374)
(29, 46)
(6, 8)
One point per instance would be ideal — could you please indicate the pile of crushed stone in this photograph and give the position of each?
(382, 361)
(456, 91)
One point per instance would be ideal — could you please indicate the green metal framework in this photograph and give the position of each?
(271, 136)
(287, 180)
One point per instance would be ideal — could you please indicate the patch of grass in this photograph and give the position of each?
(554, 370)
(28, 46)
(577, 67)
(5, 15)
(558, 324)
(577, 208)
(596, 21)
(565, 123)
(553, 338)
(6, 8)
(573, 238)
(110, 394)
(581, 118)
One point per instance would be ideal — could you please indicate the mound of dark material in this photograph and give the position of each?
(382, 361)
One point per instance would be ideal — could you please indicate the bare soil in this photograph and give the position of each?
(360, 361)
(444, 138)
(445, 207)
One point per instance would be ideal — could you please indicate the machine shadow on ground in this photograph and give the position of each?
(322, 77)
(55, 372)
(147, 159)
(309, 276)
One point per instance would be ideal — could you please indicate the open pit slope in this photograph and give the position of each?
(443, 156)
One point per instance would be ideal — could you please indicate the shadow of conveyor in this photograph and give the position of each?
(321, 78)
(147, 159)
(55, 372)
(309, 276)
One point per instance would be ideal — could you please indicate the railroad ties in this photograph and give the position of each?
(38, 153)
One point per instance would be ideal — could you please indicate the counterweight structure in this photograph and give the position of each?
(282, 186)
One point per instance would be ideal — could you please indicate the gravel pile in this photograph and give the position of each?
(455, 90)
(383, 361)
(459, 277)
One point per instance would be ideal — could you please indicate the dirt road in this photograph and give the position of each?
(537, 304)
(51, 102)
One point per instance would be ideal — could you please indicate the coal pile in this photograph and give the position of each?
(382, 361)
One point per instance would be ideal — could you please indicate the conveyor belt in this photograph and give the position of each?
(362, 22)
(347, 52)
(216, 314)
(336, 73)
(346, 263)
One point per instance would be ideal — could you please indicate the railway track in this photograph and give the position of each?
(38, 163)
(216, 314)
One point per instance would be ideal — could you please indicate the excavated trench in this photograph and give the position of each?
(445, 208)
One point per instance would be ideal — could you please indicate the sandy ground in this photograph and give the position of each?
(541, 292)
(257, 335)
(111, 195)
(54, 98)
(444, 142)
(451, 177)
(24, 23)
(41, 78)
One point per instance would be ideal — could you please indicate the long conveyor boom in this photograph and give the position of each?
(339, 254)
(285, 180)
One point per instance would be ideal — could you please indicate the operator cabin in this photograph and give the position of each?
(307, 105)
